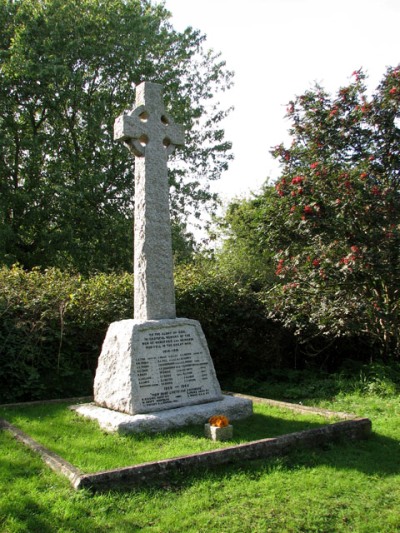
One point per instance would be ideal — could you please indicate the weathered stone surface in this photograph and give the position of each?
(147, 366)
(113, 421)
(152, 135)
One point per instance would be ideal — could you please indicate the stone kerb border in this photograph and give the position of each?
(53, 460)
(350, 427)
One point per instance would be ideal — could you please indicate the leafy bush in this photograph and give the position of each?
(294, 385)
(374, 378)
(336, 223)
(35, 354)
(240, 257)
(331, 224)
(241, 339)
(51, 328)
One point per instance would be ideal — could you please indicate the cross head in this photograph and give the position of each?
(148, 125)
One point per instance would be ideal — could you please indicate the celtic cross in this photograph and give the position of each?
(151, 134)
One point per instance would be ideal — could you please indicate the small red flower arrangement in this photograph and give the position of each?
(219, 421)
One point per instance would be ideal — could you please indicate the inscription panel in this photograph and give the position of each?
(173, 368)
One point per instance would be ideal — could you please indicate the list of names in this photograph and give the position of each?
(172, 368)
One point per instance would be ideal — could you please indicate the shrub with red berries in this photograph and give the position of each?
(335, 227)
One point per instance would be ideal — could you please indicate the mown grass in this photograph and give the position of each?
(350, 486)
(83, 444)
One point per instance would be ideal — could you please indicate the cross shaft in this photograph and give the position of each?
(150, 133)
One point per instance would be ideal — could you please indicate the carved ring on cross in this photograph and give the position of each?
(140, 116)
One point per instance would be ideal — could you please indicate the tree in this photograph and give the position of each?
(335, 229)
(67, 70)
(243, 256)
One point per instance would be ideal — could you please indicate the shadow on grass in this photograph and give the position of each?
(28, 518)
(376, 456)
(12, 463)
(20, 471)
(261, 426)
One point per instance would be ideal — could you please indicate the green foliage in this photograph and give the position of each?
(52, 325)
(336, 232)
(183, 244)
(312, 386)
(333, 220)
(375, 378)
(66, 188)
(32, 314)
(242, 257)
(242, 340)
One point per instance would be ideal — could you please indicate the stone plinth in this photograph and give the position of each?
(154, 365)
(112, 421)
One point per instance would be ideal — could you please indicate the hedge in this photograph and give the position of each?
(52, 325)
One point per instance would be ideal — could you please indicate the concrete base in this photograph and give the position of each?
(113, 421)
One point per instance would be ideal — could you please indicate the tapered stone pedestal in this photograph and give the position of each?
(147, 366)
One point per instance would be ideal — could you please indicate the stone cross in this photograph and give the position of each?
(151, 134)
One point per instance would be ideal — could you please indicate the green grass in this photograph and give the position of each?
(346, 487)
(83, 444)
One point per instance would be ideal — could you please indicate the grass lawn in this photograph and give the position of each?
(344, 487)
(82, 443)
